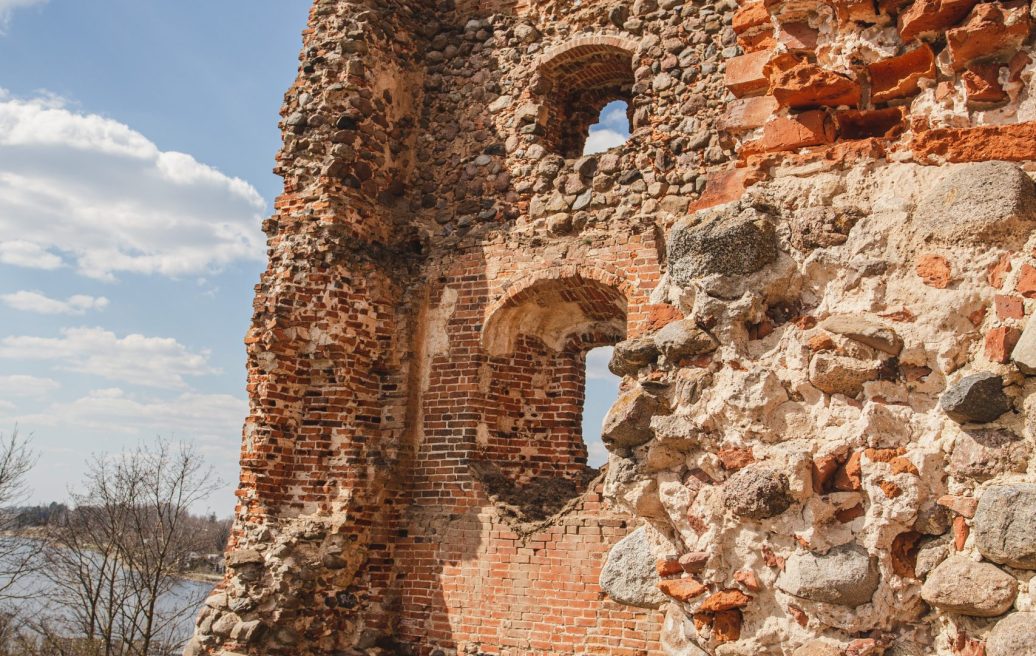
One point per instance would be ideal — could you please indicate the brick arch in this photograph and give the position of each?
(580, 77)
(558, 304)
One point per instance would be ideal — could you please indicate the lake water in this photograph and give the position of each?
(35, 590)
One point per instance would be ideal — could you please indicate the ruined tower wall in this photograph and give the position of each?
(818, 234)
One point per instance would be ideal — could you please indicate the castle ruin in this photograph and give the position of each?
(815, 260)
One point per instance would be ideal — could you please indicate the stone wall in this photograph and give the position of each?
(814, 255)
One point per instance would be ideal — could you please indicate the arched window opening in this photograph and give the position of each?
(611, 130)
(532, 456)
(578, 84)
(602, 389)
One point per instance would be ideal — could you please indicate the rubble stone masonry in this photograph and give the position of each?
(815, 257)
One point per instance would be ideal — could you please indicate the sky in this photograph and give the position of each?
(136, 146)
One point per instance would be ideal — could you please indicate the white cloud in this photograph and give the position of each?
(613, 129)
(616, 117)
(91, 191)
(148, 361)
(602, 140)
(27, 386)
(27, 301)
(597, 364)
(596, 452)
(209, 417)
(29, 255)
(7, 7)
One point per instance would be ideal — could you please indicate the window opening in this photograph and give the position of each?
(583, 85)
(611, 130)
(602, 390)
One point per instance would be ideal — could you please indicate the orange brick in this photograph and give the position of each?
(992, 32)
(929, 17)
(682, 589)
(1000, 342)
(811, 128)
(982, 86)
(898, 77)
(750, 18)
(1009, 307)
(934, 271)
(747, 113)
(1012, 143)
(807, 85)
(745, 75)
(797, 37)
(1026, 285)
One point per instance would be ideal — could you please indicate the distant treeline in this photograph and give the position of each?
(209, 532)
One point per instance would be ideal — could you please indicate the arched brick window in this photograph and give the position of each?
(577, 80)
(531, 451)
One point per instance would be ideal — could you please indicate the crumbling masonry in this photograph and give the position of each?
(815, 257)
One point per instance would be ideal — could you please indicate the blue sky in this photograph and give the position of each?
(136, 143)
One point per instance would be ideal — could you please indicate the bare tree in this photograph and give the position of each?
(16, 559)
(115, 560)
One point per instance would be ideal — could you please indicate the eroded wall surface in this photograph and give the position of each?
(814, 257)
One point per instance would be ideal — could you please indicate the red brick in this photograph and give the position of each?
(746, 74)
(1000, 342)
(682, 589)
(726, 626)
(811, 128)
(1009, 307)
(823, 469)
(725, 186)
(861, 11)
(668, 567)
(982, 86)
(751, 17)
(747, 113)
(904, 554)
(999, 270)
(725, 600)
(808, 85)
(961, 530)
(934, 271)
(735, 458)
(1026, 285)
(797, 37)
(757, 42)
(992, 32)
(1013, 143)
(898, 77)
(964, 506)
(1017, 64)
(929, 17)
(849, 477)
(747, 578)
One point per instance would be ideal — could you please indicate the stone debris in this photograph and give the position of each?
(960, 585)
(721, 242)
(1024, 353)
(628, 576)
(866, 332)
(628, 423)
(847, 576)
(1004, 527)
(757, 492)
(978, 398)
(981, 203)
(1013, 636)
